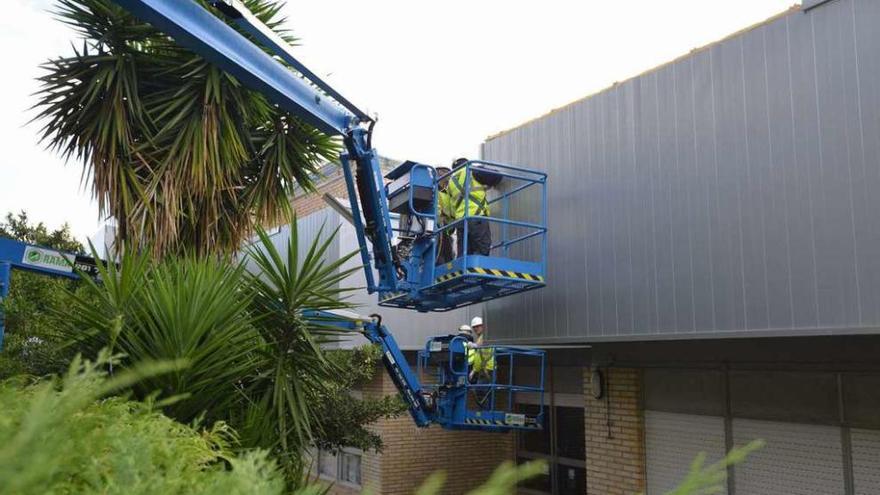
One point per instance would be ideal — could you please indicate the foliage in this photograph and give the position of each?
(708, 480)
(57, 437)
(254, 361)
(181, 308)
(32, 299)
(284, 410)
(341, 416)
(178, 151)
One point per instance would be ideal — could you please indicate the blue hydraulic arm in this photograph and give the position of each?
(417, 399)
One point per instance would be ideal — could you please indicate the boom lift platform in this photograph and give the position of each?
(399, 258)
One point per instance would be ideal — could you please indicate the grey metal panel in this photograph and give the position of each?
(862, 400)
(865, 460)
(689, 391)
(729, 193)
(673, 441)
(797, 459)
(808, 397)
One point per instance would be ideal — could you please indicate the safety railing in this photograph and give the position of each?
(518, 211)
(494, 390)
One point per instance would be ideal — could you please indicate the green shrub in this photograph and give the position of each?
(254, 361)
(59, 436)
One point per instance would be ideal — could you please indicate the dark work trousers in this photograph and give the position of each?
(479, 237)
(445, 254)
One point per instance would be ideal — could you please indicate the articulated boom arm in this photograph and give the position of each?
(407, 383)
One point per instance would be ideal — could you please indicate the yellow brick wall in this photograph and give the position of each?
(615, 454)
(306, 204)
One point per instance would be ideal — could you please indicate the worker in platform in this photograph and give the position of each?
(445, 251)
(481, 361)
(452, 206)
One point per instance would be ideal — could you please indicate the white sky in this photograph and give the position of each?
(441, 75)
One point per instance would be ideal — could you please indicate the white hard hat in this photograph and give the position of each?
(465, 329)
(476, 321)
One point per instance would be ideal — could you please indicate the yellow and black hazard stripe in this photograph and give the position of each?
(506, 273)
(448, 276)
(496, 422)
(392, 295)
(477, 421)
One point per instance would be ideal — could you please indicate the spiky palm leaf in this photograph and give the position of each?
(179, 152)
(283, 285)
(190, 309)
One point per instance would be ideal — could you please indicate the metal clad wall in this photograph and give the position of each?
(865, 459)
(798, 459)
(673, 441)
(731, 192)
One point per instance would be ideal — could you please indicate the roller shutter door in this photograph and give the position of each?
(799, 459)
(866, 461)
(673, 440)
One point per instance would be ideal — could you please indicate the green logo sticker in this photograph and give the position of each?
(33, 256)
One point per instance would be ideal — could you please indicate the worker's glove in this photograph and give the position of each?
(470, 345)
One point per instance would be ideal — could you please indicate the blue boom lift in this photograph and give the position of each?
(397, 224)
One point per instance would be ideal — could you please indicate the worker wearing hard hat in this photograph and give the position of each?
(452, 203)
(481, 361)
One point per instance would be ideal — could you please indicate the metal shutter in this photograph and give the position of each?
(673, 440)
(798, 459)
(866, 460)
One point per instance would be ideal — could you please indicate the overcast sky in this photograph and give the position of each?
(442, 76)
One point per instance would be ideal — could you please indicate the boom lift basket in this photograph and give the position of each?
(489, 402)
(517, 258)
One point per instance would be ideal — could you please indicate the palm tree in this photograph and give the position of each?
(180, 153)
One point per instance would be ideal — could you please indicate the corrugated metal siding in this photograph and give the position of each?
(797, 459)
(673, 441)
(732, 192)
(865, 459)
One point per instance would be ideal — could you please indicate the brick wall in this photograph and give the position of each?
(306, 204)
(615, 453)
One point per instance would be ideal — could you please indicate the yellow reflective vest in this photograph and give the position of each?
(452, 201)
(481, 360)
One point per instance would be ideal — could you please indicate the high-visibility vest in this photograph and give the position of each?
(452, 200)
(481, 360)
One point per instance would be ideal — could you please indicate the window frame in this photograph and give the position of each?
(553, 459)
(338, 479)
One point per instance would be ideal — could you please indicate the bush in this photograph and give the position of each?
(58, 436)
(254, 361)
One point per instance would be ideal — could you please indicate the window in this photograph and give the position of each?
(327, 464)
(561, 444)
(569, 432)
(350, 468)
(343, 467)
